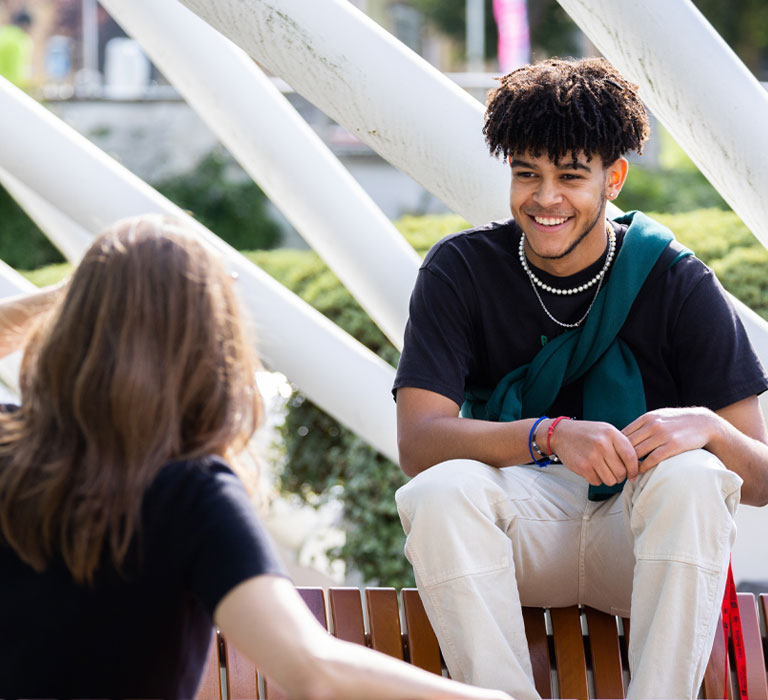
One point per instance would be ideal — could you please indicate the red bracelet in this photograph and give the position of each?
(552, 430)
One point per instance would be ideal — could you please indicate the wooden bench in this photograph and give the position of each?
(576, 652)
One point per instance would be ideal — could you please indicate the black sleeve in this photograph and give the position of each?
(714, 360)
(225, 541)
(438, 338)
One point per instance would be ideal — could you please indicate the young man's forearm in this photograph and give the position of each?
(436, 439)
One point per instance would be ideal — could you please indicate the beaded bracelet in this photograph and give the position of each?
(545, 460)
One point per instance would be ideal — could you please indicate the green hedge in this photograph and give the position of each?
(234, 208)
(22, 244)
(678, 190)
(724, 243)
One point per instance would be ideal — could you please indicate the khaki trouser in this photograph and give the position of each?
(483, 541)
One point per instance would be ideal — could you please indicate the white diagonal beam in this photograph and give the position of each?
(420, 121)
(697, 87)
(69, 237)
(85, 185)
(279, 150)
(377, 88)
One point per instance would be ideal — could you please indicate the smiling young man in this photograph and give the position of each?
(608, 394)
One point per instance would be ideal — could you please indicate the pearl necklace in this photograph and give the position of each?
(598, 278)
(573, 290)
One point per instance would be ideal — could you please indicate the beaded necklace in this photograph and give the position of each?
(597, 279)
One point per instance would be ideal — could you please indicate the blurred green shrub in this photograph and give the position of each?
(710, 233)
(234, 209)
(22, 244)
(672, 191)
(743, 273)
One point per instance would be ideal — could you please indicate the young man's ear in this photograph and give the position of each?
(615, 175)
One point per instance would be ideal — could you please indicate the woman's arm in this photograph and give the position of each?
(266, 619)
(18, 312)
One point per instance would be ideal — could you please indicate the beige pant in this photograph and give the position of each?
(483, 541)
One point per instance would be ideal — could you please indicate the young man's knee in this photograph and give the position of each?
(696, 471)
(694, 479)
(443, 487)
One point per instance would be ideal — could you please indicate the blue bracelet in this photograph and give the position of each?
(544, 461)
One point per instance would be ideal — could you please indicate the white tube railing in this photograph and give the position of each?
(70, 238)
(382, 92)
(86, 186)
(11, 284)
(697, 87)
(421, 122)
(281, 153)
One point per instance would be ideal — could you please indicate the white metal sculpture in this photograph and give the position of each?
(421, 122)
(86, 186)
(697, 86)
(281, 153)
(380, 90)
(69, 237)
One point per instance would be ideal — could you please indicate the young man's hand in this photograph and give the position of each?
(596, 451)
(666, 432)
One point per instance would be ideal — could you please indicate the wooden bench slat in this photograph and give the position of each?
(242, 675)
(606, 654)
(571, 663)
(384, 621)
(716, 666)
(347, 614)
(538, 645)
(423, 649)
(607, 650)
(763, 598)
(625, 626)
(753, 647)
(210, 683)
(314, 599)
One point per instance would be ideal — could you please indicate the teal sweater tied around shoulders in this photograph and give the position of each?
(613, 387)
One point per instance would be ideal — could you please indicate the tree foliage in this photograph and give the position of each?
(234, 208)
(743, 24)
(22, 244)
(671, 191)
(552, 31)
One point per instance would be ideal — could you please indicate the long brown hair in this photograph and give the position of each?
(144, 360)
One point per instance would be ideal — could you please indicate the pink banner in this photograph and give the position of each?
(514, 39)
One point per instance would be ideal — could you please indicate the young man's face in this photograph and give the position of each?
(561, 208)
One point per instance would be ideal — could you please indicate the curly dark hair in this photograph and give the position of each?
(566, 106)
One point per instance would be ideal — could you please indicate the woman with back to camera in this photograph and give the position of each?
(123, 531)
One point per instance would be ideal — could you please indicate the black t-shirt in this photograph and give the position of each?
(474, 318)
(144, 634)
